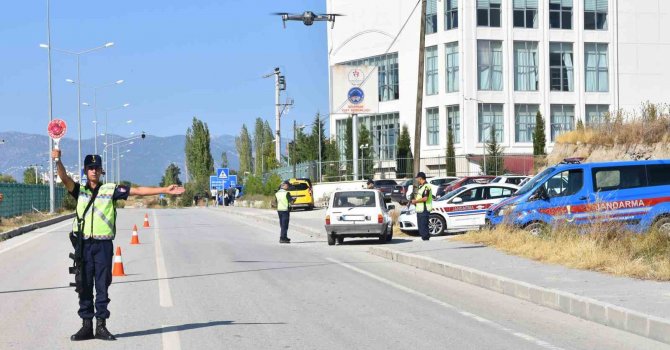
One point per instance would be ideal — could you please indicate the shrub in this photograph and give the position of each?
(272, 184)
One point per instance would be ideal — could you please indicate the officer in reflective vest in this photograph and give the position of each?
(423, 201)
(284, 201)
(99, 229)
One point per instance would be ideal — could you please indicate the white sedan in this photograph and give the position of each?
(460, 210)
(358, 213)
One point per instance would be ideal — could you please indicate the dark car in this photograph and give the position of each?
(448, 187)
(385, 187)
(400, 192)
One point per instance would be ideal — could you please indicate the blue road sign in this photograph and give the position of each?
(232, 182)
(216, 183)
(222, 173)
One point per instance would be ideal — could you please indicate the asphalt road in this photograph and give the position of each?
(208, 279)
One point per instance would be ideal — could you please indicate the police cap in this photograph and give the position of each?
(93, 160)
(421, 174)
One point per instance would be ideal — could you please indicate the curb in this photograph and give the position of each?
(648, 326)
(304, 229)
(34, 226)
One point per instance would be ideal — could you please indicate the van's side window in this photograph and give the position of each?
(498, 192)
(565, 183)
(658, 174)
(618, 178)
(475, 194)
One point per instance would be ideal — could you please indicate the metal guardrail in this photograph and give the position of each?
(20, 198)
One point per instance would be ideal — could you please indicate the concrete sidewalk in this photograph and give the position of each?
(640, 307)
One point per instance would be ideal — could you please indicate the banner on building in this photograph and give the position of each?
(355, 89)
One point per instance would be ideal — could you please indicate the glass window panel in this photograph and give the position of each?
(387, 72)
(454, 122)
(431, 16)
(433, 126)
(490, 116)
(524, 122)
(562, 119)
(432, 84)
(596, 114)
(452, 61)
(489, 65)
(596, 67)
(561, 67)
(450, 14)
(526, 66)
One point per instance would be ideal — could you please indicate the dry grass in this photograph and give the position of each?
(643, 130)
(7, 224)
(612, 251)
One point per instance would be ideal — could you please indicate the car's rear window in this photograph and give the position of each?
(385, 182)
(298, 187)
(354, 199)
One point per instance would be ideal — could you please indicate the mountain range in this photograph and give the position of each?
(145, 164)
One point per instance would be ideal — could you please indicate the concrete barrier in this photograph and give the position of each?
(585, 308)
(34, 226)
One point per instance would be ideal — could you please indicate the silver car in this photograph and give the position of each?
(358, 213)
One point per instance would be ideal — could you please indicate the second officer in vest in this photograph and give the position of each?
(423, 202)
(284, 201)
(98, 228)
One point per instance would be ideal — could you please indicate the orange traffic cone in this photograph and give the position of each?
(118, 264)
(135, 239)
(146, 220)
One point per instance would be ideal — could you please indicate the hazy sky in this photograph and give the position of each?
(179, 59)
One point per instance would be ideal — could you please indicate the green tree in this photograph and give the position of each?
(198, 155)
(224, 159)
(539, 137)
(244, 149)
(269, 161)
(348, 146)
(318, 129)
(259, 139)
(7, 179)
(404, 154)
(580, 125)
(29, 176)
(451, 153)
(495, 162)
(365, 152)
(171, 176)
(272, 184)
(331, 167)
(253, 185)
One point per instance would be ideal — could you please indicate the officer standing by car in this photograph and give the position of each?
(423, 202)
(284, 201)
(98, 229)
(370, 184)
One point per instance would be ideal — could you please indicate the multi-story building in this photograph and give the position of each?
(492, 64)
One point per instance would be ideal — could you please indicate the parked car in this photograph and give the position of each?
(435, 182)
(462, 209)
(446, 188)
(358, 213)
(510, 179)
(385, 187)
(634, 194)
(301, 190)
(399, 193)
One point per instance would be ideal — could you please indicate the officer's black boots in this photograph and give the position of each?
(284, 240)
(86, 331)
(101, 331)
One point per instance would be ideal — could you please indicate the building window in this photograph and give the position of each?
(431, 16)
(595, 14)
(450, 14)
(488, 13)
(524, 122)
(561, 67)
(526, 66)
(595, 63)
(525, 13)
(489, 65)
(452, 60)
(454, 122)
(385, 130)
(432, 82)
(433, 126)
(560, 14)
(490, 116)
(387, 72)
(562, 119)
(596, 114)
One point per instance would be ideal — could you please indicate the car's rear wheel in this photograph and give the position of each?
(311, 207)
(436, 225)
(662, 225)
(389, 235)
(340, 240)
(537, 229)
(382, 237)
(331, 239)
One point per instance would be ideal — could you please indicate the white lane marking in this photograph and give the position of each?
(164, 294)
(477, 318)
(170, 339)
(36, 237)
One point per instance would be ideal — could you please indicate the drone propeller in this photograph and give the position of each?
(332, 14)
(284, 17)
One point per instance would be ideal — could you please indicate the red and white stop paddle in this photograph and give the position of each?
(57, 129)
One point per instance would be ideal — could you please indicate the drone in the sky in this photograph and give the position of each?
(307, 17)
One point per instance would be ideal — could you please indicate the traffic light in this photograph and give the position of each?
(282, 82)
(144, 135)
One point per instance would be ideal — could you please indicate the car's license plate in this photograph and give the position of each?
(352, 217)
(396, 191)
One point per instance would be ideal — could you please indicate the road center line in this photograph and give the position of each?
(37, 236)
(170, 338)
(477, 318)
(164, 294)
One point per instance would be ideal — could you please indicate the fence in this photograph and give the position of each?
(20, 199)
(520, 164)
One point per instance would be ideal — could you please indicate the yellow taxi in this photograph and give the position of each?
(301, 191)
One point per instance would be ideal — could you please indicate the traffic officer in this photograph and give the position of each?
(99, 229)
(423, 202)
(284, 201)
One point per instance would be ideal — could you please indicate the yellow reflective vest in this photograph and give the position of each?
(100, 220)
(282, 200)
(428, 204)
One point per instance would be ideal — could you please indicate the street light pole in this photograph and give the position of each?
(52, 189)
(293, 148)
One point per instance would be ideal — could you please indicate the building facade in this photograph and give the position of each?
(490, 65)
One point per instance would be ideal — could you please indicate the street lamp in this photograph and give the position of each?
(125, 105)
(78, 82)
(112, 150)
(95, 104)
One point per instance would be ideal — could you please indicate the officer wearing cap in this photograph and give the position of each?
(423, 202)
(370, 184)
(284, 201)
(98, 227)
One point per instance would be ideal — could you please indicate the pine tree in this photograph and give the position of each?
(269, 161)
(451, 153)
(404, 161)
(224, 159)
(495, 162)
(198, 155)
(348, 146)
(331, 168)
(580, 125)
(259, 138)
(539, 138)
(171, 176)
(244, 150)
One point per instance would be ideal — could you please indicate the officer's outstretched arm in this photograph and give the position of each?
(149, 191)
(60, 169)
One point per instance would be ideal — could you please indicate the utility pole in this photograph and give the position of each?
(293, 147)
(52, 189)
(318, 125)
(419, 90)
(278, 118)
(354, 144)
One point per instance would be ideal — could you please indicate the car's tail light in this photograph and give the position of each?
(380, 218)
(327, 219)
